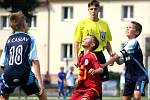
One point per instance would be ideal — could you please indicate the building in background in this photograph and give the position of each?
(53, 27)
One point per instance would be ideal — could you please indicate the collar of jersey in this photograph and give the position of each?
(17, 32)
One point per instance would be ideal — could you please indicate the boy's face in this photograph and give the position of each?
(87, 41)
(131, 31)
(93, 11)
(62, 69)
(72, 68)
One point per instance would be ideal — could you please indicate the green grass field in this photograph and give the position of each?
(54, 98)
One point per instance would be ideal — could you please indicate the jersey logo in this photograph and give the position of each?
(86, 62)
(15, 80)
(103, 36)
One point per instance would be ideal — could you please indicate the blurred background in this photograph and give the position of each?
(52, 23)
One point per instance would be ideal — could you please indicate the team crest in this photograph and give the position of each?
(86, 62)
(103, 36)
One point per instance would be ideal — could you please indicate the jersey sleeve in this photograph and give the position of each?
(131, 45)
(33, 52)
(96, 63)
(129, 49)
(3, 57)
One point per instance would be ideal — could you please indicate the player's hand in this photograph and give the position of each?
(92, 71)
(42, 89)
(111, 55)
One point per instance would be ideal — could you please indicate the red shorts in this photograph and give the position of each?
(89, 94)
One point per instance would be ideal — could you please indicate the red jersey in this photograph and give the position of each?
(88, 82)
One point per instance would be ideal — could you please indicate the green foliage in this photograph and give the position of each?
(26, 6)
(114, 75)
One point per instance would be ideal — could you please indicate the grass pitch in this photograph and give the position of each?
(55, 98)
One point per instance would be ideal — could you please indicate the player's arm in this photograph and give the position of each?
(59, 80)
(77, 40)
(100, 69)
(3, 57)
(109, 49)
(36, 66)
(111, 60)
(96, 71)
(76, 50)
(97, 68)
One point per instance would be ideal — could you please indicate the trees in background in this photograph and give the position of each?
(26, 6)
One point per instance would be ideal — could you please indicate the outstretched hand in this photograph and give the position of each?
(112, 54)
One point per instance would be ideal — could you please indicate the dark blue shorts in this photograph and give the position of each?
(61, 85)
(29, 87)
(130, 86)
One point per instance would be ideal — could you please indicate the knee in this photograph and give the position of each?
(137, 98)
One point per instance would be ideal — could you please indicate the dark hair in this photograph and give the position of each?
(93, 2)
(138, 27)
(96, 42)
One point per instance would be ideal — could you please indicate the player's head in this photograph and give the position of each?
(18, 21)
(138, 27)
(90, 42)
(61, 68)
(133, 29)
(93, 8)
(93, 3)
(71, 68)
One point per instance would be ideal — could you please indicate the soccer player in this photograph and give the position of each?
(70, 81)
(136, 77)
(61, 83)
(89, 86)
(18, 56)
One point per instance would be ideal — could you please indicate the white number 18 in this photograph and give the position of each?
(15, 55)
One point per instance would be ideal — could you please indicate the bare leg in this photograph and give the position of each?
(137, 95)
(126, 98)
(4, 97)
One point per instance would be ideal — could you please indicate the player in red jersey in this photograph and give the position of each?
(89, 87)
